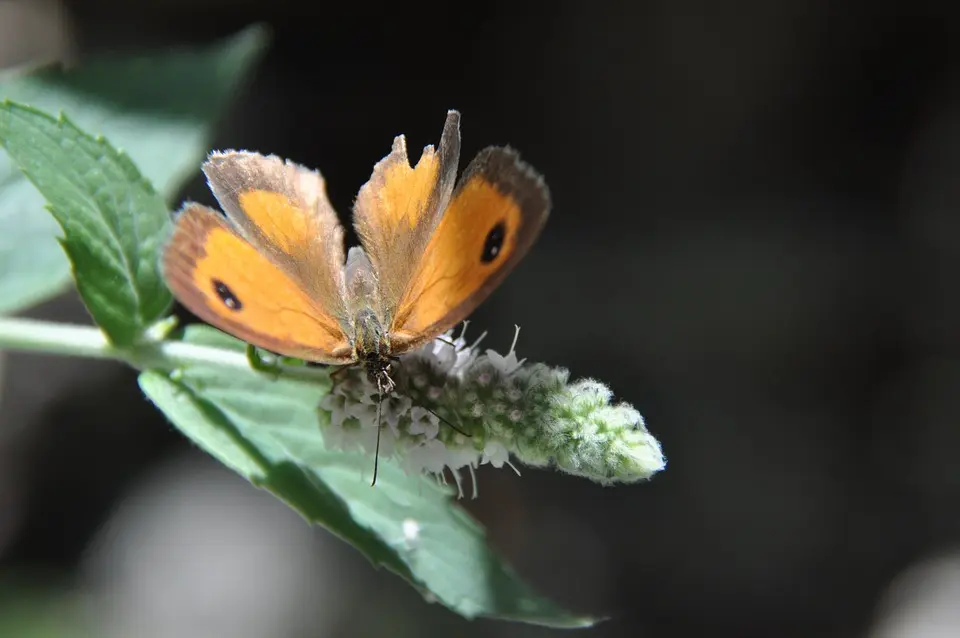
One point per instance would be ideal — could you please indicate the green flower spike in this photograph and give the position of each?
(456, 408)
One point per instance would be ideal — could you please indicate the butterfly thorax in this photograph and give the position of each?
(371, 345)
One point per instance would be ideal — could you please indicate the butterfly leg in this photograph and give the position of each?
(440, 418)
(258, 363)
(443, 420)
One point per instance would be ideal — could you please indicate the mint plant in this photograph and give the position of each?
(286, 427)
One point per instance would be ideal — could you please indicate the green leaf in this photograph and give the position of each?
(268, 431)
(114, 223)
(29, 611)
(158, 108)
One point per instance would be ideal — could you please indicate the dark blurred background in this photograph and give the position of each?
(753, 241)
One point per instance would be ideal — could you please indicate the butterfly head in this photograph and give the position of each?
(379, 370)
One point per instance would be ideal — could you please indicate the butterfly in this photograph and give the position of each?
(271, 269)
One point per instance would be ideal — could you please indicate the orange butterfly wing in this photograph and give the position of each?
(271, 271)
(282, 209)
(228, 283)
(496, 213)
(399, 207)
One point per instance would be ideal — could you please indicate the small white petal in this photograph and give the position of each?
(424, 422)
(505, 365)
(365, 413)
(430, 456)
(462, 457)
(336, 405)
(495, 454)
(395, 408)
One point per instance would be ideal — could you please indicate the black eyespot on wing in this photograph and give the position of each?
(226, 295)
(494, 242)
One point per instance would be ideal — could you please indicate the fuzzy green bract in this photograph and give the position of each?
(492, 407)
(159, 109)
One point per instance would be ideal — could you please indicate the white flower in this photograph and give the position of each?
(365, 413)
(464, 456)
(447, 355)
(394, 408)
(495, 454)
(494, 407)
(348, 439)
(444, 355)
(509, 364)
(429, 456)
(336, 405)
(422, 421)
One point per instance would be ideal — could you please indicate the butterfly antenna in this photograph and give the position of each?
(376, 454)
(443, 420)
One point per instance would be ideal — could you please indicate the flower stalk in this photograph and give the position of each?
(456, 408)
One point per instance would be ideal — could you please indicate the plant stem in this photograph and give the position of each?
(31, 335)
